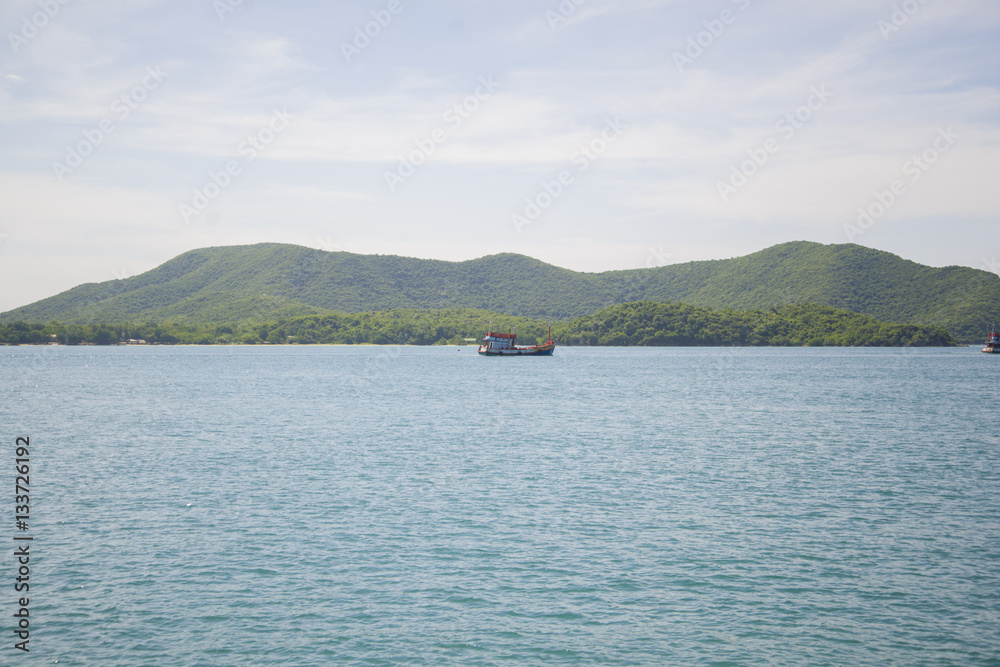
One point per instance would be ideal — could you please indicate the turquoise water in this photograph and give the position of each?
(425, 506)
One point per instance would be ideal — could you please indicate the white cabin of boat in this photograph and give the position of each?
(499, 341)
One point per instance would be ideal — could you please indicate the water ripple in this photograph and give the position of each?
(356, 506)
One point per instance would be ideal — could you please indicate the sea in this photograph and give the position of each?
(338, 505)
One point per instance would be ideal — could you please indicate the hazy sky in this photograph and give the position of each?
(592, 134)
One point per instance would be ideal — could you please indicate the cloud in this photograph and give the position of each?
(313, 194)
(657, 185)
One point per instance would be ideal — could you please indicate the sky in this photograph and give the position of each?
(590, 134)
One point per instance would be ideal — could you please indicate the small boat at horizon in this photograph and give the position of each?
(992, 341)
(502, 345)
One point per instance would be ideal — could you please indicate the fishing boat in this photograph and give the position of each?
(993, 341)
(502, 345)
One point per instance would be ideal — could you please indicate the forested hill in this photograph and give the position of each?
(269, 281)
(646, 324)
(875, 283)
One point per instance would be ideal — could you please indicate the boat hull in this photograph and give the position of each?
(534, 351)
(989, 349)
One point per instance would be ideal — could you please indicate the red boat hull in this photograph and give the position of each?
(532, 351)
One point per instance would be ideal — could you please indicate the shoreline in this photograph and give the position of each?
(776, 347)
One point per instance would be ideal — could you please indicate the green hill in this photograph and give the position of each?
(268, 282)
(649, 324)
(851, 277)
